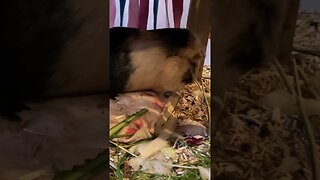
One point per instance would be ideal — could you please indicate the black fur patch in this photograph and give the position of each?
(247, 53)
(193, 67)
(33, 33)
(173, 39)
(187, 77)
(120, 62)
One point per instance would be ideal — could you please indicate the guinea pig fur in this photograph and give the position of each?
(162, 60)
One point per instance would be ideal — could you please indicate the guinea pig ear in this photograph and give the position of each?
(195, 62)
(197, 58)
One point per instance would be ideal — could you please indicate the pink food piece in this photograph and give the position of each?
(134, 126)
(158, 102)
(139, 123)
(131, 131)
(130, 103)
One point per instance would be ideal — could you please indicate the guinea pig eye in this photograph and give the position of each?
(167, 94)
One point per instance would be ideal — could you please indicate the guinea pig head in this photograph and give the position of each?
(181, 69)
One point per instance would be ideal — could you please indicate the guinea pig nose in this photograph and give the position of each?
(167, 94)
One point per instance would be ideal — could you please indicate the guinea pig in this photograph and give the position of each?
(52, 49)
(161, 60)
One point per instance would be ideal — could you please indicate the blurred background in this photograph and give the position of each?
(309, 5)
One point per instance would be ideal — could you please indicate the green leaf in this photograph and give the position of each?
(117, 128)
